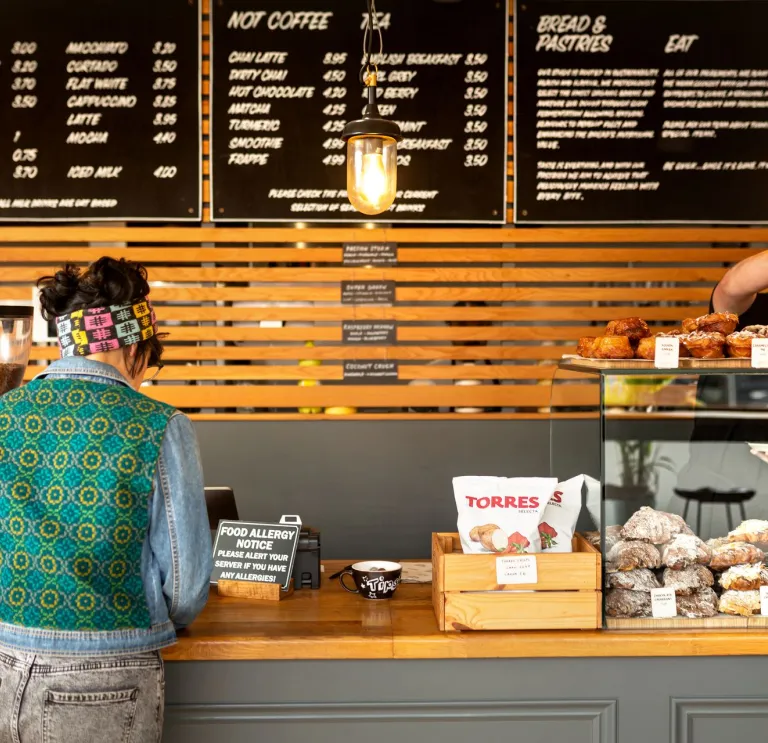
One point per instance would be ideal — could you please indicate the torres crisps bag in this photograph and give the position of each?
(499, 514)
(560, 516)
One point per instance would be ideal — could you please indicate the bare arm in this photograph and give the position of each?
(739, 287)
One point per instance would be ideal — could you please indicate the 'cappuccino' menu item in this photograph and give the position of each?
(100, 103)
(285, 82)
(641, 111)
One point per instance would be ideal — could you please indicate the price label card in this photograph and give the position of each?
(764, 600)
(667, 355)
(760, 353)
(663, 603)
(518, 570)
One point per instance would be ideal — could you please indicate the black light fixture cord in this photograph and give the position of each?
(368, 39)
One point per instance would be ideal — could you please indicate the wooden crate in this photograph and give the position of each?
(465, 594)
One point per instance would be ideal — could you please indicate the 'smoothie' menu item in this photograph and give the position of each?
(641, 111)
(100, 104)
(285, 81)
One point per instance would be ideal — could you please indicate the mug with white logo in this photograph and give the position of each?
(373, 579)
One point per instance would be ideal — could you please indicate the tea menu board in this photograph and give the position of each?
(641, 111)
(100, 103)
(285, 81)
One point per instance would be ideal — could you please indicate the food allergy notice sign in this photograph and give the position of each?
(100, 110)
(285, 81)
(641, 111)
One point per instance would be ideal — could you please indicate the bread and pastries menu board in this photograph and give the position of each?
(641, 111)
(285, 81)
(100, 110)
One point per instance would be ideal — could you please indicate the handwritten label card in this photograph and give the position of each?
(667, 354)
(764, 600)
(760, 353)
(518, 570)
(663, 603)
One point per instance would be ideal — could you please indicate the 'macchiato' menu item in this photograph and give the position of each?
(744, 577)
(752, 530)
(630, 555)
(740, 603)
(688, 581)
(737, 553)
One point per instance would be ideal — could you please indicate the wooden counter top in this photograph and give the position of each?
(333, 624)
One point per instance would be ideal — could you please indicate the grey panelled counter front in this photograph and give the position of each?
(327, 666)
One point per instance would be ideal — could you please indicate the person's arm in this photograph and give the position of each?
(737, 290)
(179, 531)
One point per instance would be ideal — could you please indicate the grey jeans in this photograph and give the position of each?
(45, 699)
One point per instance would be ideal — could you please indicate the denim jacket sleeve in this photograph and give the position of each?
(179, 534)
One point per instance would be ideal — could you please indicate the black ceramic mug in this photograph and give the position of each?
(374, 579)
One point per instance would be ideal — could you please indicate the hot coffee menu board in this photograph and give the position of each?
(641, 111)
(285, 81)
(100, 103)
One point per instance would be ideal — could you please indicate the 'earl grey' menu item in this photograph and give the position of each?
(285, 81)
(641, 111)
(367, 292)
(258, 553)
(371, 372)
(370, 254)
(100, 103)
(369, 332)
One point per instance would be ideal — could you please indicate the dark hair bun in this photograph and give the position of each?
(105, 282)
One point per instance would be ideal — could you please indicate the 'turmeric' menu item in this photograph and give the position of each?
(640, 111)
(285, 82)
(100, 105)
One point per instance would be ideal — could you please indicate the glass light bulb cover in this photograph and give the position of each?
(371, 173)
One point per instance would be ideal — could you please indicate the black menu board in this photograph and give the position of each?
(641, 111)
(100, 103)
(285, 81)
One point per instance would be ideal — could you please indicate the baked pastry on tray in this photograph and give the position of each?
(646, 349)
(685, 550)
(751, 530)
(745, 577)
(718, 322)
(688, 581)
(705, 345)
(622, 603)
(633, 328)
(585, 346)
(657, 527)
(735, 553)
(740, 603)
(629, 555)
(612, 347)
(740, 344)
(697, 605)
(641, 579)
(761, 331)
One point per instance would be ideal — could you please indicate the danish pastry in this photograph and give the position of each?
(688, 581)
(744, 577)
(736, 553)
(612, 347)
(740, 344)
(761, 331)
(633, 327)
(741, 603)
(685, 550)
(630, 555)
(718, 322)
(689, 325)
(705, 345)
(585, 346)
(641, 579)
(697, 605)
(751, 530)
(622, 603)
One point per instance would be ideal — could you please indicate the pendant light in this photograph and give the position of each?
(372, 140)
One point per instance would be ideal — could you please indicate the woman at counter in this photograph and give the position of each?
(104, 536)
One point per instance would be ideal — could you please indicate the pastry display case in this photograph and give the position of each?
(677, 487)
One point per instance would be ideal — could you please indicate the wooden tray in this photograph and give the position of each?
(721, 621)
(726, 363)
(611, 363)
(466, 596)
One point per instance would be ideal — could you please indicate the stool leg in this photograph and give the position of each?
(698, 517)
(728, 516)
(685, 509)
(743, 511)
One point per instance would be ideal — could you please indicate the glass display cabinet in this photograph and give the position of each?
(677, 487)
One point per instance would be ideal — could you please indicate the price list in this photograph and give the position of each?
(286, 81)
(101, 112)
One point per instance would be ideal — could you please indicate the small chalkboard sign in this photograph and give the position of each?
(371, 372)
(254, 552)
(367, 292)
(369, 332)
(370, 254)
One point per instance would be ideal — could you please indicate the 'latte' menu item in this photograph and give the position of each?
(285, 82)
(641, 111)
(100, 104)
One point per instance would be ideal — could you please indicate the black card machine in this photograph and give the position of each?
(306, 567)
(221, 506)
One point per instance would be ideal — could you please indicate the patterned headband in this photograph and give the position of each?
(102, 329)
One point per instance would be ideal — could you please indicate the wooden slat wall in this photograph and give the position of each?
(220, 290)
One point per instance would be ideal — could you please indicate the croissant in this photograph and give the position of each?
(718, 322)
(740, 344)
(612, 347)
(633, 327)
(705, 345)
(585, 346)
